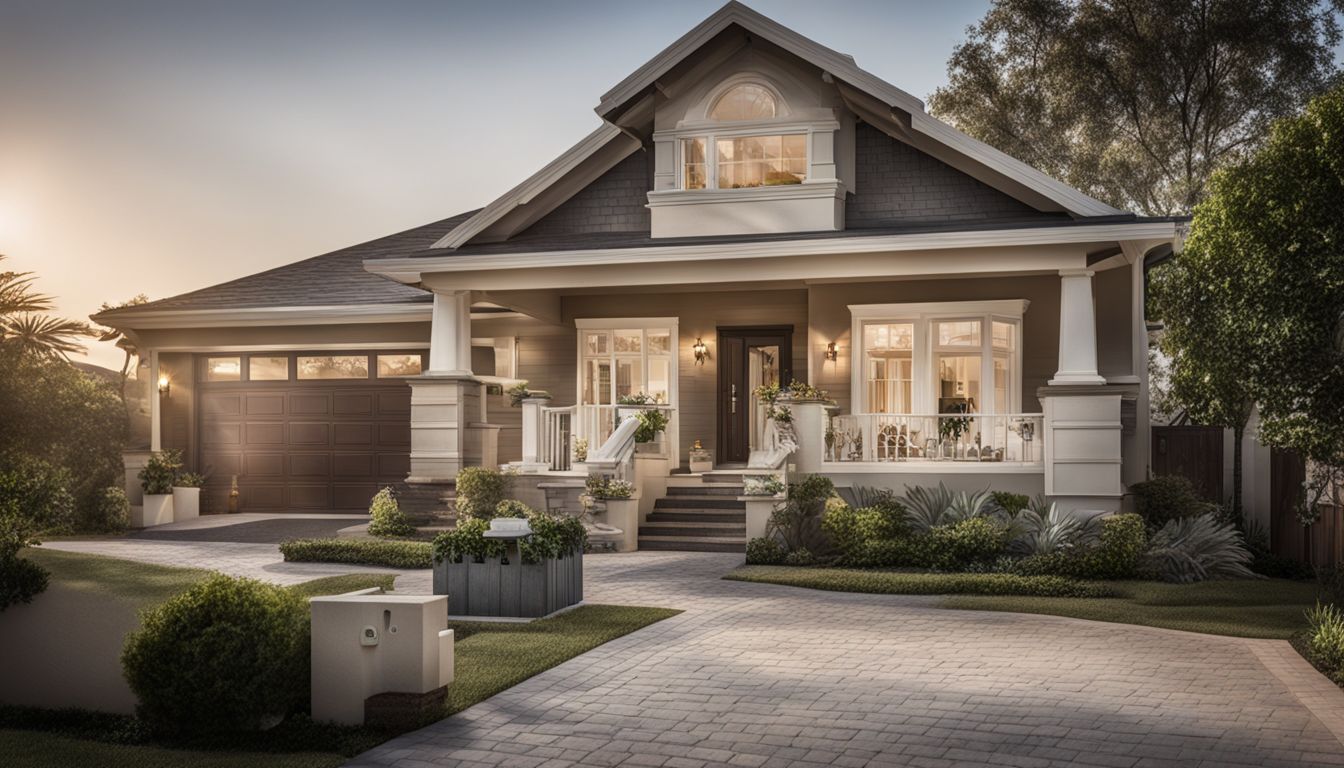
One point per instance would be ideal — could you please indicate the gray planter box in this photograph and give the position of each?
(515, 589)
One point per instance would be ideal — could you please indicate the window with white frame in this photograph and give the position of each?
(938, 358)
(736, 157)
(617, 362)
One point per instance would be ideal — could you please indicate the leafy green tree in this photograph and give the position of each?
(1137, 102)
(1263, 273)
(115, 336)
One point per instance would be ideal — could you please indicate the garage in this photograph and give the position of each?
(304, 432)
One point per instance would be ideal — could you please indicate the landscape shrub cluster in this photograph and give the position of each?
(390, 554)
(553, 536)
(1179, 538)
(386, 519)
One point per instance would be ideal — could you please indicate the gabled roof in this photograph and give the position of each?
(332, 279)
(886, 106)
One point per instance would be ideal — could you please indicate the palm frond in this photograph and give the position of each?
(1197, 548)
(42, 336)
(17, 294)
(927, 507)
(1042, 532)
(966, 505)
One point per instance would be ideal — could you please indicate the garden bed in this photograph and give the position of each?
(919, 583)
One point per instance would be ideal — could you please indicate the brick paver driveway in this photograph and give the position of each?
(757, 674)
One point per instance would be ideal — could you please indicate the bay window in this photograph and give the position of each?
(956, 357)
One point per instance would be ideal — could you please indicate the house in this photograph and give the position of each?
(754, 208)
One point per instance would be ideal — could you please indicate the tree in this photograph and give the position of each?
(1137, 102)
(22, 326)
(1263, 271)
(107, 333)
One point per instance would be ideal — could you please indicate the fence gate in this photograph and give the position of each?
(1320, 544)
(1195, 453)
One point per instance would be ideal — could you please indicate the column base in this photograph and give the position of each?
(446, 433)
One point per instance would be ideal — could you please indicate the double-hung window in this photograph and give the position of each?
(938, 358)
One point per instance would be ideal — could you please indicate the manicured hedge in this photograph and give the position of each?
(900, 583)
(392, 554)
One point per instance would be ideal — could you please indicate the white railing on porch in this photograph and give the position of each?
(556, 427)
(615, 457)
(973, 437)
(595, 423)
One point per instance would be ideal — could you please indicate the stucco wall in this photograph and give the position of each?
(1111, 289)
(828, 309)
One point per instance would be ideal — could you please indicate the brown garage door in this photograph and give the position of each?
(301, 446)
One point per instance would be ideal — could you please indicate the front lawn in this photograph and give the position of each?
(1267, 608)
(490, 657)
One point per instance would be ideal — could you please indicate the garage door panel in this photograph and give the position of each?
(353, 495)
(265, 433)
(352, 434)
(310, 446)
(352, 404)
(259, 464)
(310, 496)
(345, 465)
(394, 435)
(308, 465)
(309, 433)
(310, 403)
(395, 402)
(216, 404)
(222, 433)
(271, 404)
(394, 464)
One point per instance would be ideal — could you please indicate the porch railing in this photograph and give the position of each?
(972, 437)
(594, 423)
(556, 427)
(616, 456)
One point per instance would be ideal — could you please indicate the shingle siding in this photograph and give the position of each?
(615, 202)
(896, 184)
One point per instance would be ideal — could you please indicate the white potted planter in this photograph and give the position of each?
(187, 497)
(156, 480)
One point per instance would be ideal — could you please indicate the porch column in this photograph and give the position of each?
(155, 407)
(450, 334)
(448, 429)
(1077, 329)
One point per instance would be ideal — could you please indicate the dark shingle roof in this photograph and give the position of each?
(331, 279)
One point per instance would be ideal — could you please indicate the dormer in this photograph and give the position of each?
(758, 144)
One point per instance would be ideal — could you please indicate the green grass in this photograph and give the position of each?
(918, 583)
(490, 657)
(1271, 608)
(493, 656)
(1263, 608)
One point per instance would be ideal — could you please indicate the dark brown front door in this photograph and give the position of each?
(748, 357)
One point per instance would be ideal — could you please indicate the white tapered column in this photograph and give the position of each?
(450, 334)
(1077, 329)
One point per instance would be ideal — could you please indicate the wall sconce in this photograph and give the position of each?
(832, 353)
(165, 386)
(701, 350)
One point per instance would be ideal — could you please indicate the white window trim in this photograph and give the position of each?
(719, 131)
(923, 315)
(583, 324)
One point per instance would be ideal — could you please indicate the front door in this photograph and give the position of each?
(748, 358)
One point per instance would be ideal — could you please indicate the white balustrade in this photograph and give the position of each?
(1011, 438)
(556, 435)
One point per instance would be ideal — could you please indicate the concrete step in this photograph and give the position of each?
(691, 544)
(715, 531)
(698, 502)
(705, 489)
(698, 516)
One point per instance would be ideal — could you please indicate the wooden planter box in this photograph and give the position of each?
(515, 589)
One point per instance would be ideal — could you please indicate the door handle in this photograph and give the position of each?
(733, 400)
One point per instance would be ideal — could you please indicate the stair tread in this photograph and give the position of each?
(697, 524)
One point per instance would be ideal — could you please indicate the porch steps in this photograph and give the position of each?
(700, 513)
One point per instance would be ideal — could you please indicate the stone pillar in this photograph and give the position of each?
(810, 418)
(1082, 446)
(155, 403)
(1077, 329)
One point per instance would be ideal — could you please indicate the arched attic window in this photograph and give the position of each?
(734, 160)
(746, 101)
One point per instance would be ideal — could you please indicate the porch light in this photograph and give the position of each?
(701, 350)
(165, 386)
(832, 353)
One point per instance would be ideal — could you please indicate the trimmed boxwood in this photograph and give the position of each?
(392, 554)
(386, 518)
(228, 655)
(1116, 554)
(900, 583)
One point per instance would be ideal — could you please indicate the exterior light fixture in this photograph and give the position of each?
(165, 386)
(701, 350)
(832, 353)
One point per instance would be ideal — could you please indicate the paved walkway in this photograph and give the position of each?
(754, 674)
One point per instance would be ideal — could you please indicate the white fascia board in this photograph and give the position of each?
(524, 192)
(1069, 198)
(410, 270)
(254, 316)
(1003, 307)
(838, 64)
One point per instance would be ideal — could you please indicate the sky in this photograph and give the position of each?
(160, 147)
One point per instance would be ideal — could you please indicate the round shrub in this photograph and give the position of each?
(799, 557)
(158, 474)
(386, 518)
(20, 581)
(1167, 498)
(513, 508)
(1010, 503)
(467, 540)
(110, 512)
(227, 655)
(479, 491)
(1115, 555)
(553, 536)
(38, 492)
(850, 529)
(957, 546)
(764, 551)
